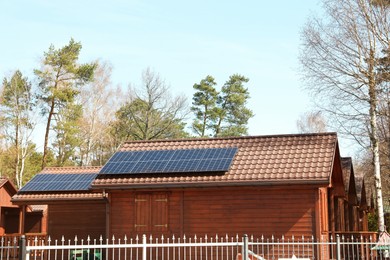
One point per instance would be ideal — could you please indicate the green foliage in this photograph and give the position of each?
(32, 164)
(16, 105)
(138, 120)
(221, 113)
(150, 113)
(373, 222)
(16, 101)
(67, 134)
(204, 105)
(60, 78)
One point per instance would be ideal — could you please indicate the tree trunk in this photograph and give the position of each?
(375, 142)
(45, 151)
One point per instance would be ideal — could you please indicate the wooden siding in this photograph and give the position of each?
(5, 197)
(33, 222)
(81, 219)
(236, 210)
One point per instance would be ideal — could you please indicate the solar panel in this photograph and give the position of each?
(59, 182)
(170, 161)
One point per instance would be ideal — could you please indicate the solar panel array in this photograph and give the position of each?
(59, 182)
(170, 161)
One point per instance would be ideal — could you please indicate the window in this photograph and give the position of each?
(151, 212)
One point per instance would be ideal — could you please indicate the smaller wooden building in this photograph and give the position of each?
(72, 209)
(10, 217)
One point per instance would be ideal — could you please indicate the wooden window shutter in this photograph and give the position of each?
(142, 212)
(160, 212)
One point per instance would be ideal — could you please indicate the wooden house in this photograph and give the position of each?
(72, 208)
(10, 213)
(364, 207)
(9, 218)
(260, 185)
(349, 205)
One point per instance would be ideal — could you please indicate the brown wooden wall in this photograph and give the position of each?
(235, 210)
(5, 197)
(81, 219)
(33, 222)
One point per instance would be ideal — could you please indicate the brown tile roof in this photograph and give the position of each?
(42, 198)
(47, 197)
(71, 169)
(303, 158)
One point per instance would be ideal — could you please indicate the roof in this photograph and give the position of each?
(10, 186)
(349, 180)
(346, 164)
(52, 196)
(299, 158)
(72, 169)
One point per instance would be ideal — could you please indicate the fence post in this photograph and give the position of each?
(144, 247)
(245, 247)
(338, 248)
(22, 247)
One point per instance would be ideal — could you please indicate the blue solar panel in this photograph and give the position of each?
(170, 161)
(59, 182)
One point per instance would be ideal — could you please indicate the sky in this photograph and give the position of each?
(183, 41)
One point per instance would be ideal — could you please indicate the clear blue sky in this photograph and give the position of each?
(182, 40)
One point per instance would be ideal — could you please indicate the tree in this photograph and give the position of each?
(204, 104)
(16, 105)
(340, 63)
(311, 122)
(100, 101)
(67, 131)
(221, 113)
(150, 112)
(59, 80)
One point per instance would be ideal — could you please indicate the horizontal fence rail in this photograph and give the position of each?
(194, 248)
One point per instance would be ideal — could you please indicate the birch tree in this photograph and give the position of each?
(16, 105)
(100, 101)
(339, 60)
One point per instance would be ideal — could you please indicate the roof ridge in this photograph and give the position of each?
(230, 137)
(71, 167)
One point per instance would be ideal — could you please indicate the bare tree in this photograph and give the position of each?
(311, 122)
(100, 102)
(151, 112)
(339, 60)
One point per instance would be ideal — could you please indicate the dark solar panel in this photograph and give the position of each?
(170, 161)
(59, 182)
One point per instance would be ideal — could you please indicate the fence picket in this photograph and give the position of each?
(189, 248)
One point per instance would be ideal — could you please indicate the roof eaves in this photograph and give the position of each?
(22, 201)
(319, 182)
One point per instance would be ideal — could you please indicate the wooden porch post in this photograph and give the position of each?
(22, 217)
(332, 213)
(108, 214)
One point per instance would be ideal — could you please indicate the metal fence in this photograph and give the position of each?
(194, 248)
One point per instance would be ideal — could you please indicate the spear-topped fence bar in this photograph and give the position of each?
(193, 248)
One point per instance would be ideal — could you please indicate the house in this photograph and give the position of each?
(9, 218)
(72, 208)
(349, 205)
(261, 185)
(10, 213)
(364, 207)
